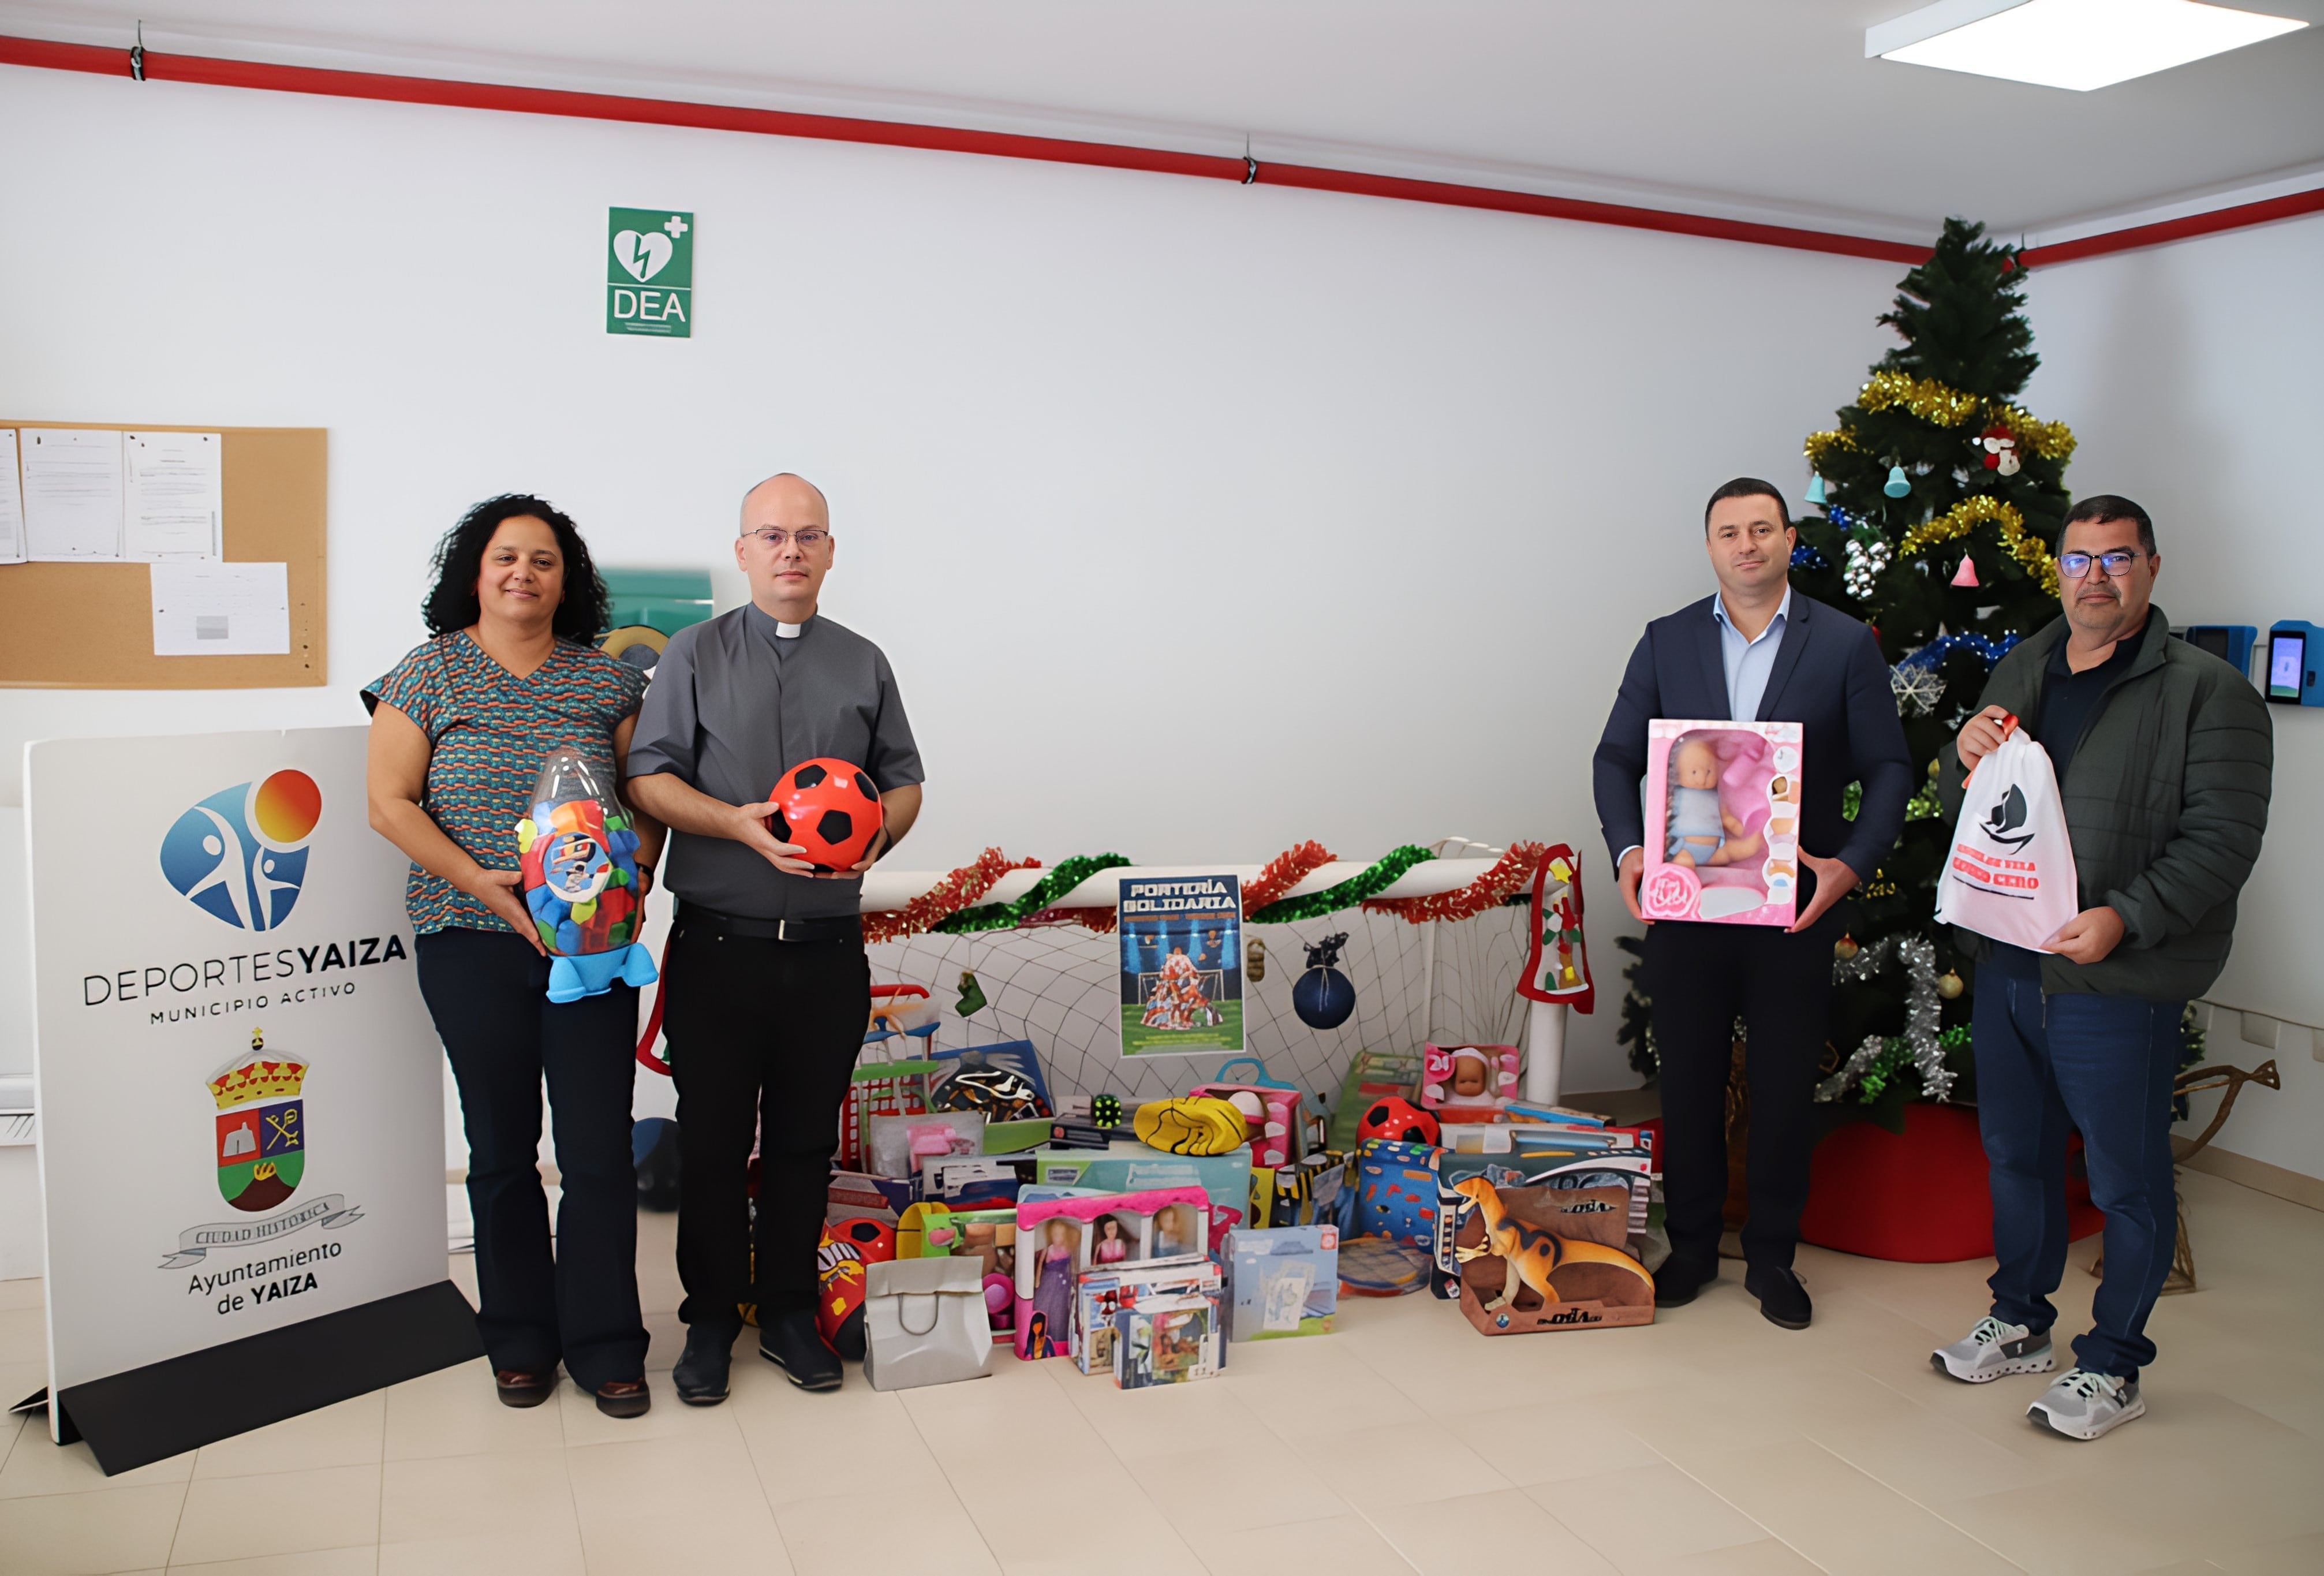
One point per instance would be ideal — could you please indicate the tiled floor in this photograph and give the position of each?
(1711, 1441)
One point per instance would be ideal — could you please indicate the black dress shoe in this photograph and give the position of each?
(623, 1398)
(1782, 1298)
(1676, 1283)
(700, 1377)
(791, 1343)
(525, 1387)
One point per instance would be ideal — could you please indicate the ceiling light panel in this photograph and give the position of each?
(2081, 44)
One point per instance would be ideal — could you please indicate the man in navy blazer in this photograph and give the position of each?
(1755, 651)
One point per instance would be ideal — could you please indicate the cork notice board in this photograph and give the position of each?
(90, 626)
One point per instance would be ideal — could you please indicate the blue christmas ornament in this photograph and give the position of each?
(1805, 557)
(1324, 997)
(1815, 490)
(1988, 651)
(1897, 486)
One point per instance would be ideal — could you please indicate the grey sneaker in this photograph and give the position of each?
(1992, 1349)
(2083, 1405)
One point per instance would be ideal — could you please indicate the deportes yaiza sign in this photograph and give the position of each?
(241, 1106)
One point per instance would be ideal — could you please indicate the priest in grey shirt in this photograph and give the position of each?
(766, 989)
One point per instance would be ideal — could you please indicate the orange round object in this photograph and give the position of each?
(830, 809)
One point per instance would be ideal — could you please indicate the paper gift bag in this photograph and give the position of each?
(924, 1323)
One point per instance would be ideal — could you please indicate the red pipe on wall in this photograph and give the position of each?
(222, 73)
(2240, 217)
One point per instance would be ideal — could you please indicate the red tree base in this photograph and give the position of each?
(1919, 1197)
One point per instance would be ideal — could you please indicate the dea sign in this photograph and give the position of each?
(650, 272)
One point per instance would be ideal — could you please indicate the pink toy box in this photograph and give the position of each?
(1722, 803)
(1468, 1084)
(1057, 1238)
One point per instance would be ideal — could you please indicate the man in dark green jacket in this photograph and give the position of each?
(2163, 755)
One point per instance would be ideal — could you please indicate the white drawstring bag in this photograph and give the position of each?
(924, 1323)
(2010, 873)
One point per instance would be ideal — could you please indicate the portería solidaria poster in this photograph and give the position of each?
(1181, 965)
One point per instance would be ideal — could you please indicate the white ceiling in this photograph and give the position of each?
(1755, 108)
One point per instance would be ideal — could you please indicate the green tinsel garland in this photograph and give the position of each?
(1067, 874)
(1365, 884)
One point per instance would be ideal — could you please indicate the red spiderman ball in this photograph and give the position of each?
(1398, 1120)
(829, 808)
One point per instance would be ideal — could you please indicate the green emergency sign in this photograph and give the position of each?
(650, 272)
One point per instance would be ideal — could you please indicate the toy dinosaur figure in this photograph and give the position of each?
(1533, 1254)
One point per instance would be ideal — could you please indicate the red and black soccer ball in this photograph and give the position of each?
(829, 808)
(1398, 1120)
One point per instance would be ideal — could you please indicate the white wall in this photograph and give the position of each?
(1197, 520)
(1377, 494)
(2189, 375)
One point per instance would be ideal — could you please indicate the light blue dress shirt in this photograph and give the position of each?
(1748, 662)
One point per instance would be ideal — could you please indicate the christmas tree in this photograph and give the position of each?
(1942, 502)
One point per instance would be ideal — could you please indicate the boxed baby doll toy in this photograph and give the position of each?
(1282, 1281)
(1722, 811)
(1468, 1084)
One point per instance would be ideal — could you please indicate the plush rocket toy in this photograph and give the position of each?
(579, 859)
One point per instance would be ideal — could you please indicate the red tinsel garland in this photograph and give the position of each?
(947, 898)
(970, 883)
(1284, 872)
(1495, 887)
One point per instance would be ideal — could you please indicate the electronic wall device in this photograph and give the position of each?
(2230, 644)
(2295, 650)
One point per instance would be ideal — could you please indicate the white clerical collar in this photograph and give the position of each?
(784, 631)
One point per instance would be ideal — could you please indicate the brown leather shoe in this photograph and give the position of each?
(624, 1399)
(518, 1387)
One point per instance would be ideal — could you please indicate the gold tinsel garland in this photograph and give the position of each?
(1986, 509)
(1933, 401)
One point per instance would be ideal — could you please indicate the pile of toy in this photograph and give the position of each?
(1142, 1243)
(1533, 1217)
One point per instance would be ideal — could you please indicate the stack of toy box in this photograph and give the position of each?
(1064, 1233)
(1540, 1224)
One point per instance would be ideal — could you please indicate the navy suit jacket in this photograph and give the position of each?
(1829, 676)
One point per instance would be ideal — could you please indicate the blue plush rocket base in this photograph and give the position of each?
(593, 974)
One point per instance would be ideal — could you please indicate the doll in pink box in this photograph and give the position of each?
(1728, 809)
(1468, 1084)
(1703, 831)
(1053, 1292)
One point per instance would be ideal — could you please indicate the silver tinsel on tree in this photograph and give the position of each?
(1922, 1008)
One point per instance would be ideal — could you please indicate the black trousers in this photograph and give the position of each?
(488, 992)
(1703, 978)
(763, 1036)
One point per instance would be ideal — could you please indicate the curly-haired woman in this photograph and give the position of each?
(459, 731)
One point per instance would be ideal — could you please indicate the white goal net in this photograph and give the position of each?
(1452, 981)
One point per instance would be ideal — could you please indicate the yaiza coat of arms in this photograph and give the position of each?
(262, 1126)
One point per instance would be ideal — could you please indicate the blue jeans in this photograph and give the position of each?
(2102, 1066)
